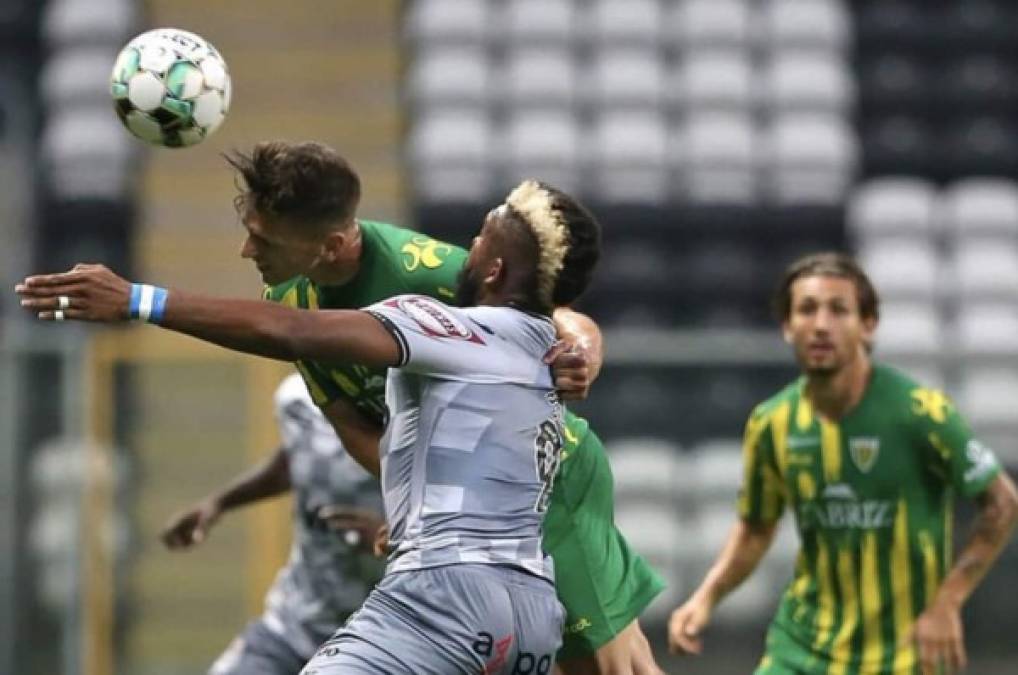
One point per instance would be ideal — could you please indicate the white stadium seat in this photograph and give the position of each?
(110, 23)
(539, 77)
(811, 158)
(806, 23)
(448, 75)
(903, 268)
(624, 21)
(632, 77)
(456, 22)
(987, 396)
(807, 81)
(544, 145)
(629, 156)
(988, 329)
(909, 329)
(718, 469)
(552, 22)
(897, 205)
(981, 206)
(451, 152)
(718, 158)
(710, 23)
(652, 530)
(76, 76)
(88, 154)
(986, 269)
(711, 79)
(646, 466)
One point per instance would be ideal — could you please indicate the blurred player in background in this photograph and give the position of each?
(869, 461)
(337, 513)
(471, 450)
(298, 204)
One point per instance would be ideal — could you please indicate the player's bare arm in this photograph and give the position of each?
(266, 480)
(938, 631)
(360, 436)
(746, 546)
(94, 293)
(578, 357)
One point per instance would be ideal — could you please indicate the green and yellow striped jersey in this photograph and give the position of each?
(872, 496)
(393, 261)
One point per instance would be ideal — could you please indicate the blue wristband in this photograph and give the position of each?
(159, 296)
(135, 300)
(148, 303)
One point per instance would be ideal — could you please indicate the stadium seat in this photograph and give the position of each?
(893, 83)
(986, 269)
(636, 22)
(76, 76)
(891, 206)
(87, 155)
(548, 22)
(910, 329)
(629, 157)
(900, 145)
(903, 268)
(811, 158)
(981, 206)
(980, 84)
(631, 77)
(823, 24)
(449, 75)
(451, 152)
(70, 23)
(543, 145)
(456, 22)
(981, 146)
(897, 24)
(717, 469)
(979, 26)
(539, 77)
(652, 529)
(713, 24)
(709, 79)
(650, 467)
(718, 158)
(987, 329)
(808, 81)
(987, 396)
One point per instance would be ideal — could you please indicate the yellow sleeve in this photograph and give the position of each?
(762, 496)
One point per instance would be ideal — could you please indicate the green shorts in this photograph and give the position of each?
(603, 584)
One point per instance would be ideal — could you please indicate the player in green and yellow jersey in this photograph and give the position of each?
(298, 206)
(869, 462)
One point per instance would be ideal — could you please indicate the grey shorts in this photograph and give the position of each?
(468, 619)
(258, 651)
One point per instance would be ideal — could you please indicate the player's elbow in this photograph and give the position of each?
(1008, 501)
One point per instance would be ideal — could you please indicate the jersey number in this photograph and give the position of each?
(547, 454)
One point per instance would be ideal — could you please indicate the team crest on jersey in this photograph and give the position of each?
(864, 452)
(434, 318)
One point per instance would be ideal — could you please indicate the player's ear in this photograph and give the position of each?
(869, 327)
(333, 246)
(495, 273)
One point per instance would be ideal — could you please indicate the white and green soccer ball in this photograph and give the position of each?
(170, 87)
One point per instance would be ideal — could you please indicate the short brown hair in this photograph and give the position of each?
(303, 183)
(831, 264)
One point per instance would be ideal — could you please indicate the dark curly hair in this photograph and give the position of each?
(584, 247)
(305, 184)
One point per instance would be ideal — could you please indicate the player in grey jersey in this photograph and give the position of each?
(337, 511)
(472, 446)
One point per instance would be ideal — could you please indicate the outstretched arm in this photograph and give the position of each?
(938, 630)
(747, 543)
(94, 293)
(268, 479)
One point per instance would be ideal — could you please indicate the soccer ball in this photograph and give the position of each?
(170, 87)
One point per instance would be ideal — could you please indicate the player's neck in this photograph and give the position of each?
(836, 394)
